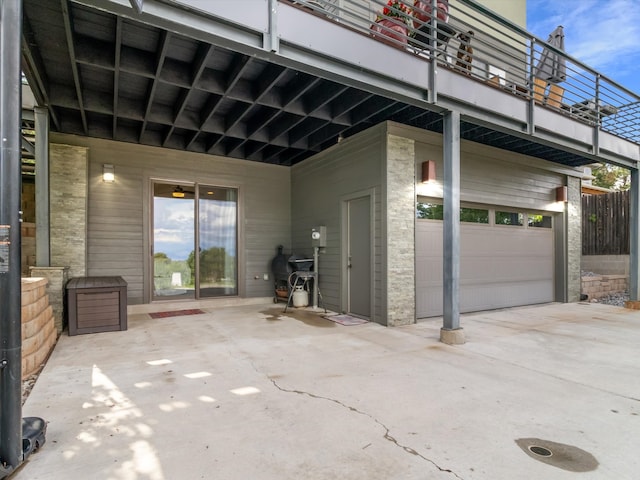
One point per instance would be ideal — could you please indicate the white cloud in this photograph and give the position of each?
(173, 229)
(602, 34)
(161, 235)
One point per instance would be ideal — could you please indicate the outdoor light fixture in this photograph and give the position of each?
(108, 173)
(428, 171)
(178, 192)
(562, 194)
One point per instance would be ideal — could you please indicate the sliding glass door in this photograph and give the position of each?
(188, 219)
(173, 241)
(217, 239)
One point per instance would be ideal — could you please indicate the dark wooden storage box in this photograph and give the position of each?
(96, 304)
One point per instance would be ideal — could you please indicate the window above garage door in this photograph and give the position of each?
(433, 210)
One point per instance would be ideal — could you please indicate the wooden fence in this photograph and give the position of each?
(605, 224)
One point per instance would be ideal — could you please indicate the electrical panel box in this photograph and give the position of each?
(319, 237)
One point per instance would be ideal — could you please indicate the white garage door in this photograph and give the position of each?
(506, 262)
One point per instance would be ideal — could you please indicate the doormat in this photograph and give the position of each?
(347, 320)
(176, 313)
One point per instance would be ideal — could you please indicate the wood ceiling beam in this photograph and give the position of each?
(68, 30)
(198, 67)
(116, 75)
(163, 46)
(35, 72)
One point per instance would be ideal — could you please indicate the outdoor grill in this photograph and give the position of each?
(286, 269)
(281, 270)
(301, 264)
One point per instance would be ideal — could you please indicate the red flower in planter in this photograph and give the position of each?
(393, 23)
(395, 8)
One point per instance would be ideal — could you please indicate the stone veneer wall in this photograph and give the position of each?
(57, 278)
(599, 286)
(68, 206)
(574, 238)
(38, 329)
(400, 203)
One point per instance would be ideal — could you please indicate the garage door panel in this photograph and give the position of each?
(429, 271)
(490, 296)
(500, 266)
(430, 300)
(477, 241)
(505, 269)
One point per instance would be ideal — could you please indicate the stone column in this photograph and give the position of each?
(68, 205)
(401, 213)
(574, 240)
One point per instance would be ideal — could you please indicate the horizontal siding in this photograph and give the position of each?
(115, 224)
(319, 185)
(489, 175)
(119, 226)
(491, 181)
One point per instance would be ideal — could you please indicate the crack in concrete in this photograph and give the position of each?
(387, 435)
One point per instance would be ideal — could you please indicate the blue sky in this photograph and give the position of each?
(173, 227)
(604, 34)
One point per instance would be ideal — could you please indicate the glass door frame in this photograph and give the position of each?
(169, 184)
(196, 235)
(202, 192)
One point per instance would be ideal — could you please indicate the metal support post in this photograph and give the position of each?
(433, 52)
(271, 40)
(43, 245)
(598, 123)
(634, 236)
(451, 332)
(531, 107)
(315, 278)
(10, 284)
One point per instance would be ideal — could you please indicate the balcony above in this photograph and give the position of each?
(278, 81)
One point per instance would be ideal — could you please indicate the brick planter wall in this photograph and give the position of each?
(38, 329)
(56, 281)
(602, 285)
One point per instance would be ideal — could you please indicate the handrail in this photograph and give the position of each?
(505, 55)
(522, 31)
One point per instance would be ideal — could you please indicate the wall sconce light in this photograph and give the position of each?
(562, 194)
(108, 173)
(428, 171)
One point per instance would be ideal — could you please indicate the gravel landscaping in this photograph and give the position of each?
(617, 299)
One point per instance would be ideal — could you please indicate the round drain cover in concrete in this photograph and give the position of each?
(566, 457)
(538, 450)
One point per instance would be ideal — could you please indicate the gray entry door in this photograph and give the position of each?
(359, 257)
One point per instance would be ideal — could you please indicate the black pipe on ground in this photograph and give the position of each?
(11, 450)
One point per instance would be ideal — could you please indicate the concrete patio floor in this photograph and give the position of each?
(247, 392)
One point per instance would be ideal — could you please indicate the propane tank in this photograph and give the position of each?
(300, 297)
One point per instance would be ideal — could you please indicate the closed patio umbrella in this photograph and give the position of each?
(552, 67)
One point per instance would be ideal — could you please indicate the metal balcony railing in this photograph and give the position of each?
(504, 55)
